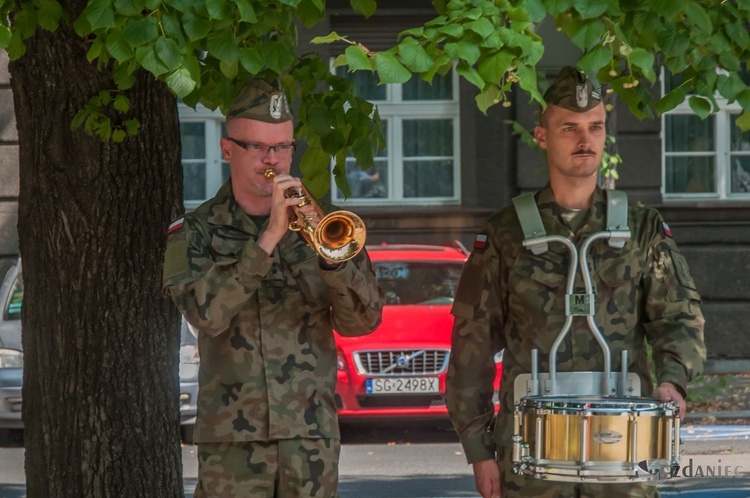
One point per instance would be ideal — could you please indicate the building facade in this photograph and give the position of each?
(447, 167)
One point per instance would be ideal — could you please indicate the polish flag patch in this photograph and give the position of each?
(480, 243)
(176, 225)
(667, 230)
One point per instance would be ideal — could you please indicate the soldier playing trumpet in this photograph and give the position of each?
(265, 304)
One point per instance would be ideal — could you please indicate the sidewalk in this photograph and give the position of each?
(719, 399)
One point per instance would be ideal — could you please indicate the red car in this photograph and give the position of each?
(399, 370)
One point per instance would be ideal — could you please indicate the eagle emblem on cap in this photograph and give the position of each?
(582, 95)
(274, 106)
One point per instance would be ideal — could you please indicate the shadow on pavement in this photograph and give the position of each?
(404, 432)
(396, 487)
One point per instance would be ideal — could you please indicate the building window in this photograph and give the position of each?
(204, 170)
(707, 158)
(420, 162)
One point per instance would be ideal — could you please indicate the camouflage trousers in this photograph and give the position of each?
(516, 486)
(286, 468)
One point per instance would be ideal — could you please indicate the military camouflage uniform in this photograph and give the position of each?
(268, 357)
(510, 298)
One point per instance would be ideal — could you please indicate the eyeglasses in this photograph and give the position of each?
(263, 149)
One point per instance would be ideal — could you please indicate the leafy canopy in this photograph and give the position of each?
(204, 50)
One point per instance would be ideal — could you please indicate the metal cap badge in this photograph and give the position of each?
(262, 101)
(573, 91)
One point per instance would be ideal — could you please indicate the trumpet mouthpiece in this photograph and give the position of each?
(269, 173)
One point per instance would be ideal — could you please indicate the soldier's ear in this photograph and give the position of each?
(540, 133)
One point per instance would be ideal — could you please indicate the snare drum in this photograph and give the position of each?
(595, 438)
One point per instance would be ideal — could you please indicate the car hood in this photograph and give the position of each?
(407, 326)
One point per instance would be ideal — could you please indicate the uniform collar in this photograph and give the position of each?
(550, 213)
(225, 211)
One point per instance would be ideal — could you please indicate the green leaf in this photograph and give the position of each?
(5, 36)
(222, 45)
(364, 7)
(738, 33)
(528, 81)
(356, 58)
(196, 28)
(329, 38)
(118, 47)
(743, 121)
(697, 16)
(317, 119)
(453, 30)
(595, 59)
(494, 67)
(673, 41)
(218, 9)
(536, 11)
(118, 136)
(147, 58)
(141, 31)
(363, 149)
(730, 61)
(123, 74)
(313, 163)
(389, 69)
(700, 105)
(730, 86)
(470, 74)
(168, 52)
(277, 56)
(127, 8)
(644, 61)
(121, 103)
(463, 50)
(99, 14)
(483, 27)
(95, 50)
(589, 9)
(180, 82)
(558, 6)
(247, 12)
(588, 33)
(490, 96)
(251, 60)
(49, 13)
(414, 55)
(743, 98)
(310, 12)
(666, 8)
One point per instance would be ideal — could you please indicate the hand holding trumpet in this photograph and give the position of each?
(336, 237)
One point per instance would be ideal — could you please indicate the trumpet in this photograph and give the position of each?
(339, 236)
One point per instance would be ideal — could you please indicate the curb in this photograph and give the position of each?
(742, 414)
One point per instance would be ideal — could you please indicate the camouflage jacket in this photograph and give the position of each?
(268, 357)
(510, 298)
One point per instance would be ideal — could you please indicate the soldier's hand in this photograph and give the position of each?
(278, 220)
(487, 478)
(669, 392)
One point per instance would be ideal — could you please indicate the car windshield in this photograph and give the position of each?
(13, 306)
(410, 282)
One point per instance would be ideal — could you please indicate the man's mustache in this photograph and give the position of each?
(587, 152)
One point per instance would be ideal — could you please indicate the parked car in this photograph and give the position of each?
(11, 353)
(399, 370)
(11, 360)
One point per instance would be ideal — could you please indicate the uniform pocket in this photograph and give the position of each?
(618, 292)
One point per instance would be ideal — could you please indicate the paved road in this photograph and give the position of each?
(415, 463)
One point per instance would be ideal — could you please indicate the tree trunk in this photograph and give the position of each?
(101, 389)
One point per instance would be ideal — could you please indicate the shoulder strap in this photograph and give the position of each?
(617, 217)
(531, 222)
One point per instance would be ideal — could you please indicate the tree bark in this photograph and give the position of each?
(101, 388)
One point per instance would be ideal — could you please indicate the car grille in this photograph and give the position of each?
(402, 362)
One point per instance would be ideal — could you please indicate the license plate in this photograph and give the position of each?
(403, 385)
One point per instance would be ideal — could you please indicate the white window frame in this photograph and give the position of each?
(212, 120)
(722, 155)
(395, 110)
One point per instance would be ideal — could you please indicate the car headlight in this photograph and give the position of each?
(11, 358)
(340, 361)
(499, 356)
(189, 354)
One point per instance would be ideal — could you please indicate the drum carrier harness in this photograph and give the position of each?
(588, 405)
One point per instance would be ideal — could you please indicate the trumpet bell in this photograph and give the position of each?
(339, 236)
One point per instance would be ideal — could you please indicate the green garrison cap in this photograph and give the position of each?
(262, 101)
(573, 91)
